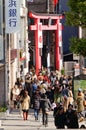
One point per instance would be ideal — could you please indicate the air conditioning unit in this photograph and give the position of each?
(22, 12)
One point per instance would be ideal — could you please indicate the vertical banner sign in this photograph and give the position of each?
(12, 15)
(1, 15)
(40, 40)
(60, 44)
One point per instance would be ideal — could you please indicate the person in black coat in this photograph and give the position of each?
(28, 87)
(55, 111)
(71, 118)
(60, 118)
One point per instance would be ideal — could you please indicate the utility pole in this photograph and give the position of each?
(5, 59)
(47, 6)
(9, 68)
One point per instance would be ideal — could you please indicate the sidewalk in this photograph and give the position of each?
(14, 121)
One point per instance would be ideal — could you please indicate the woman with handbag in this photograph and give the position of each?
(46, 106)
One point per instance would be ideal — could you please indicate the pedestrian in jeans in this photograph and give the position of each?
(36, 104)
(46, 106)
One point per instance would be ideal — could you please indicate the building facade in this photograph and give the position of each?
(14, 43)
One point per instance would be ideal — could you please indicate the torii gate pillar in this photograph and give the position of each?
(38, 45)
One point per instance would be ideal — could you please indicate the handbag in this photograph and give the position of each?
(47, 111)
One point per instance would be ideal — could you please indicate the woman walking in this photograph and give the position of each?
(80, 104)
(46, 106)
(25, 104)
(15, 93)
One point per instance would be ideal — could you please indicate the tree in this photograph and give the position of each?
(77, 14)
(78, 46)
(77, 17)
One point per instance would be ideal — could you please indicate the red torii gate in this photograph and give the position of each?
(38, 27)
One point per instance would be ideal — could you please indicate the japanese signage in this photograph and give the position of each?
(12, 15)
(40, 40)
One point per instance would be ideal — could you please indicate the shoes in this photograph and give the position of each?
(46, 125)
(36, 118)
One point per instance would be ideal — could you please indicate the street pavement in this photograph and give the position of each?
(14, 121)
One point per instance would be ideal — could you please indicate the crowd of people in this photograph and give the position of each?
(49, 91)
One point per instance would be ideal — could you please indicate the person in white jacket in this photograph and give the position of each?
(15, 94)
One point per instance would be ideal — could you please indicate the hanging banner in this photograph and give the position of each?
(12, 15)
(40, 40)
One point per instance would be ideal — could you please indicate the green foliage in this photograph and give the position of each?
(77, 17)
(3, 108)
(78, 46)
(62, 71)
(77, 14)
